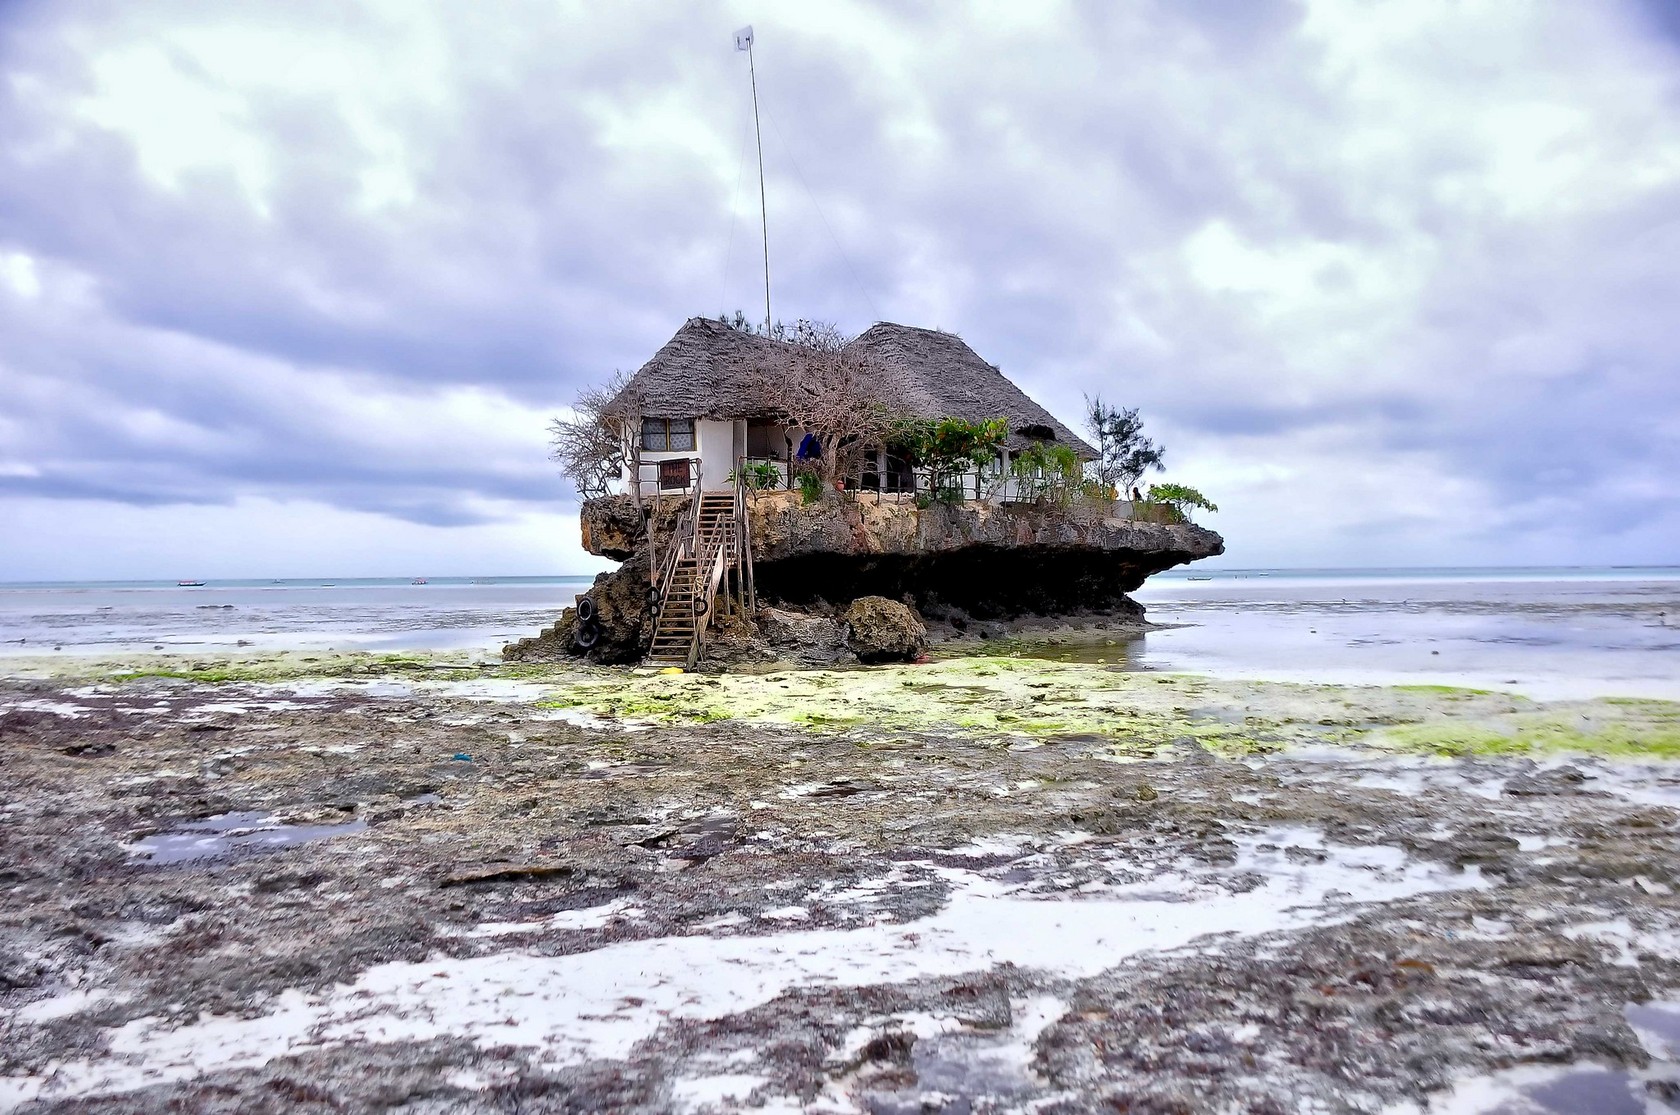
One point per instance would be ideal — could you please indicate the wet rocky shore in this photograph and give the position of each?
(982, 884)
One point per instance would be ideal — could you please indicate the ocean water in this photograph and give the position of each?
(1575, 632)
(375, 614)
(1546, 633)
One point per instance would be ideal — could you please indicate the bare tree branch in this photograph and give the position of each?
(834, 392)
(591, 443)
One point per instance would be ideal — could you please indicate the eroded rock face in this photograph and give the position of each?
(970, 561)
(802, 636)
(784, 527)
(882, 630)
(979, 560)
(614, 527)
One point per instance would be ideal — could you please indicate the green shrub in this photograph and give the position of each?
(760, 476)
(810, 486)
(1047, 473)
(1179, 498)
(947, 448)
(1098, 492)
(1144, 511)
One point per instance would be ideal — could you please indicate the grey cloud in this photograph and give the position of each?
(1051, 195)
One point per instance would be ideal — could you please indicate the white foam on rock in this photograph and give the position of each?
(723, 1091)
(601, 1003)
(1628, 941)
(56, 708)
(591, 917)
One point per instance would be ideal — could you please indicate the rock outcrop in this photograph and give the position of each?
(614, 527)
(977, 559)
(617, 631)
(973, 559)
(970, 561)
(815, 640)
(882, 630)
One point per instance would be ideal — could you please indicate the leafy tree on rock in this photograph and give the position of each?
(1124, 453)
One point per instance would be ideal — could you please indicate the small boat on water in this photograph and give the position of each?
(189, 584)
(1198, 578)
(418, 581)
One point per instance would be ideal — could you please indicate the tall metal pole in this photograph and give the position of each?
(763, 209)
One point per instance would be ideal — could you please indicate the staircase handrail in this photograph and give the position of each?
(709, 571)
(743, 531)
(713, 547)
(683, 538)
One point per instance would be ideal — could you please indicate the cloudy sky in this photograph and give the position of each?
(292, 288)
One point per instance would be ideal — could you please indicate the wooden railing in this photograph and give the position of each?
(677, 474)
(680, 546)
(708, 578)
(743, 520)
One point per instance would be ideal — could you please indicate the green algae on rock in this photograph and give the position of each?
(1025, 701)
(1646, 729)
(1140, 713)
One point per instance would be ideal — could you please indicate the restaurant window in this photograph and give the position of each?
(661, 435)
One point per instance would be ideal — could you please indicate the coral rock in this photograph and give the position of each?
(882, 630)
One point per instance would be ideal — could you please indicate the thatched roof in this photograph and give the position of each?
(704, 371)
(936, 375)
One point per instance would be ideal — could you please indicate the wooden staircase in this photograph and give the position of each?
(709, 542)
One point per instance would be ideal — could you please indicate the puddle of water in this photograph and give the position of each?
(227, 833)
(583, 718)
(480, 689)
(337, 687)
(1589, 1092)
(591, 917)
(1658, 1025)
(1414, 778)
(996, 1065)
(71, 1002)
(1547, 1090)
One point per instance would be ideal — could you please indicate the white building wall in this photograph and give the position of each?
(717, 442)
(715, 446)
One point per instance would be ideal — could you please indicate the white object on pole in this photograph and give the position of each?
(743, 38)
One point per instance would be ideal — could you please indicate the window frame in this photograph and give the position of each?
(661, 435)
